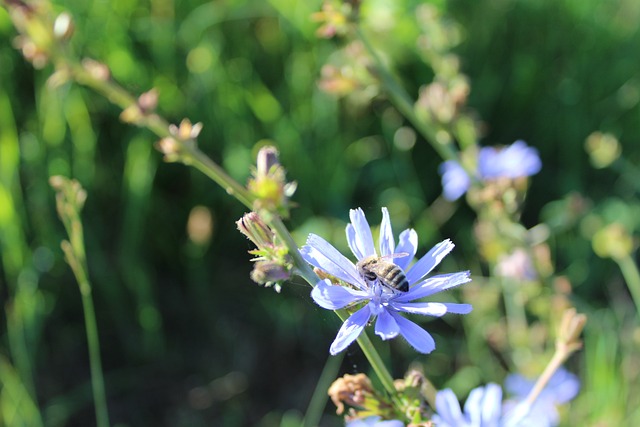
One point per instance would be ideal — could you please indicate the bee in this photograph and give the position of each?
(380, 267)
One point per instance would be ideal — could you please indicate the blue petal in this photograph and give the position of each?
(386, 326)
(408, 243)
(334, 297)
(563, 386)
(350, 330)
(457, 308)
(429, 261)
(374, 421)
(364, 239)
(386, 234)
(448, 408)
(516, 415)
(352, 241)
(417, 337)
(484, 405)
(321, 254)
(492, 404)
(455, 181)
(425, 308)
(433, 285)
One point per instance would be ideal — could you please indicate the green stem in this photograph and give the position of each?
(373, 357)
(204, 164)
(404, 103)
(516, 317)
(95, 362)
(556, 361)
(319, 398)
(75, 257)
(631, 275)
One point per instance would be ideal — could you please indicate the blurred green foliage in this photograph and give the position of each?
(187, 339)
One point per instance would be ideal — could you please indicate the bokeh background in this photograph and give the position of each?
(187, 339)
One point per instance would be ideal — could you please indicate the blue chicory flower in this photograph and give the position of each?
(561, 388)
(514, 161)
(379, 301)
(374, 421)
(483, 408)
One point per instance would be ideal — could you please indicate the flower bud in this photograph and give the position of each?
(97, 70)
(63, 26)
(612, 241)
(148, 101)
(570, 328)
(252, 226)
(170, 148)
(603, 149)
(268, 183)
(270, 273)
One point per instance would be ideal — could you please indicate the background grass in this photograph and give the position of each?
(187, 338)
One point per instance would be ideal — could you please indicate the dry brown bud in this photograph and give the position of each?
(570, 328)
(350, 389)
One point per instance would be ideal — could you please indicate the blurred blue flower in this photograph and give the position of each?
(380, 301)
(455, 181)
(482, 409)
(561, 388)
(373, 422)
(514, 161)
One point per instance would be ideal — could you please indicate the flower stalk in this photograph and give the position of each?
(567, 343)
(70, 197)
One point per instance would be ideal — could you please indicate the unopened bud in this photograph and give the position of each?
(148, 101)
(252, 226)
(267, 158)
(63, 26)
(97, 70)
(170, 148)
(570, 328)
(131, 114)
(612, 241)
(603, 149)
(268, 183)
(269, 272)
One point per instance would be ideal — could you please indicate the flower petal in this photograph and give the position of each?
(433, 285)
(364, 239)
(333, 297)
(386, 326)
(350, 330)
(484, 405)
(456, 308)
(492, 404)
(425, 308)
(429, 261)
(455, 181)
(352, 241)
(319, 253)
(417, 337)
(386, 234)
(408, 243)
(448, 408)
